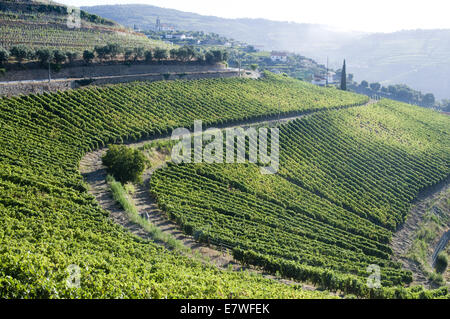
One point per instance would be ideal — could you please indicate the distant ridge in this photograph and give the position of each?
(417, 58)
(45, 24)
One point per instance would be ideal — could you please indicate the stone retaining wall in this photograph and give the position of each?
(12, 89)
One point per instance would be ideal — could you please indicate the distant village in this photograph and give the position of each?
(245, 55)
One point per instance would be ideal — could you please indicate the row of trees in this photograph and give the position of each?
(398, 92)
(111, 52)
(44, 55)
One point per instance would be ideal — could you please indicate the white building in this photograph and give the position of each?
(331, 77)
(319, 80)
(278, 56)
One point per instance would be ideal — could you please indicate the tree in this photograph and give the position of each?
(21, 52)
(344, 78)
(72, 56)
(441, 262)
(445, 105)
(59, 56)
(254, 67)
(364, 84)
(88, 56)
(138, 53)
(44, 56)
(216, 56)
(186, 53)
(113, 50)
(173, 54)
(124, 163)
(102, 52)
(350, 77)
(4, 55)
(128, 54)
(375, 86)
(148, 56)
(160, 54)
(428, 99)
(209, 57)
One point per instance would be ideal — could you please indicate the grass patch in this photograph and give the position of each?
(434, 221)
(122, 195)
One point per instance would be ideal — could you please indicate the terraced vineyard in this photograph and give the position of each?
(346, 181)
(39, 25)
(48, 221)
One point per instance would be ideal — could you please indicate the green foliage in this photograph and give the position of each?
(441, 262)
(4, 55)
(49, 221)
(88, 56)
(344, 78)
(216, 56)
(160, 54)
(21, 52)
(72, 56)
(44, 56)
(346, 182)
(148, 56)
(121, 195)
(59, 56)
(24, 24)
(126, 164)
(375, 86)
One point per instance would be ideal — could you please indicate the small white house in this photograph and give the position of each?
(319, 80)
(322, 80)
(331, 77)
(166, 27)
(278, 56)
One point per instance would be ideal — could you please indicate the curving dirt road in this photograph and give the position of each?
(94, 173)
(402, 240)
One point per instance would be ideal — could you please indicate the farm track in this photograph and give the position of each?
(402, 240)
(94, 173)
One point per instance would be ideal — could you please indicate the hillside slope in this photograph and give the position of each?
(346, 182)
(48, 221)
(417, 58)
(55, 26)
(267, 33)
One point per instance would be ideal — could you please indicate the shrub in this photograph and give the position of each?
(148, 56)
(124, 163)
(44, 56)
(59, 57)
(441, 262)
(22, 52)
(4, 55)
(88, 56)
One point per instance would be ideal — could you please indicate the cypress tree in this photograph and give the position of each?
(344, 78)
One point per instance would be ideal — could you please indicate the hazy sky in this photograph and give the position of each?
(360, 15)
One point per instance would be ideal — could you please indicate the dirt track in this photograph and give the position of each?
(402, 240)
(95, 175)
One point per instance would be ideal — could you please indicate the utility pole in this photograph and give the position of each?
(239, 62)
(326, 76)
(49, 76)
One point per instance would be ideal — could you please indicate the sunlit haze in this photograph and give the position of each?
(370, 16)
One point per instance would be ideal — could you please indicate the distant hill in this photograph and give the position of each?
(39, 24)
(261, 32)
(417, 58)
